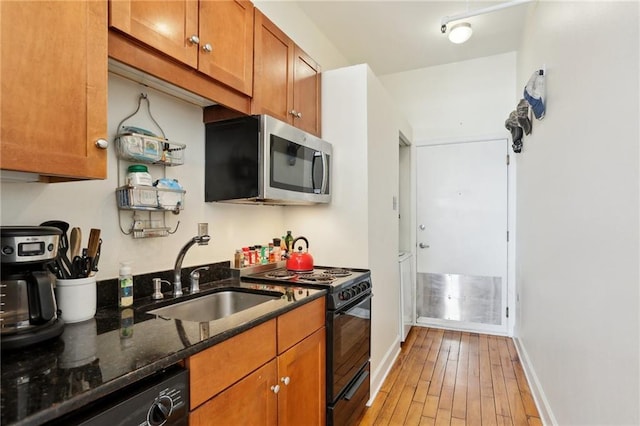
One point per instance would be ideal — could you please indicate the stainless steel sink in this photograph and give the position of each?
(215, 306)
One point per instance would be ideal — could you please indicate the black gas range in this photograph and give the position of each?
(348, 322)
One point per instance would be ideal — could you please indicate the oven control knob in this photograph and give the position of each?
(160, 411)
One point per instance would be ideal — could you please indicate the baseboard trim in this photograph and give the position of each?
(546, 414)
(382, 371)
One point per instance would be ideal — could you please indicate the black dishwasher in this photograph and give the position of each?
(162, 399)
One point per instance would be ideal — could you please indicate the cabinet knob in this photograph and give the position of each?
(285, 380)
(194, 39)
(207, 48)
(293, 112)
(102, 143)
(298, 115)
(275, 388)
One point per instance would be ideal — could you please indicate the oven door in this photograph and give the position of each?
(349, 346)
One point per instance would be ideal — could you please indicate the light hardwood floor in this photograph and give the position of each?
(444, 377)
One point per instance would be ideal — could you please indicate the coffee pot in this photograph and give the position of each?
(29, 312)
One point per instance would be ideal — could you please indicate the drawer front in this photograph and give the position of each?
(300, 323)
(215, 369)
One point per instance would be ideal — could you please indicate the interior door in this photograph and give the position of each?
(462, 235)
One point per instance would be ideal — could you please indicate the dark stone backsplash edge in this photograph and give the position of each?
(107, 290)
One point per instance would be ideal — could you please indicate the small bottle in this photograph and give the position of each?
(272, 255)
(125, 280)
(288, 241)
(237, 259)
(245, 256)
(252, 255)
(258, 251)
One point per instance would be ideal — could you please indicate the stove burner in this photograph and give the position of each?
(337, 272)
(281, 275)
(317, 277)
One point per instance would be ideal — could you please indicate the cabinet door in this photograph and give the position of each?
(273, 70)
(249, 402)
(54, 87)
(163, 25)
(226, 42)
(306, 93)
(301, 376)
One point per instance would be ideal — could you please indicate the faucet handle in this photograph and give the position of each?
(195, 279)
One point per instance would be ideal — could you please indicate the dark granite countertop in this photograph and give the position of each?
(117, 348)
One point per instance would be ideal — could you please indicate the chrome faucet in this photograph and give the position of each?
(202, 239)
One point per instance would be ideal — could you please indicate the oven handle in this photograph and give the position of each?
(356, 385)
(343, 309)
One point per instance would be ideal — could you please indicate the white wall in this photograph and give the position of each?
(360, 228)
(92, 204)
(578, 210)
(467, 99)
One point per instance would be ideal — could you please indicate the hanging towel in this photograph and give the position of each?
(511, 123)
(522, 115)
(534, 94)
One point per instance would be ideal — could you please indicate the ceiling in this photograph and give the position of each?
(395, 36)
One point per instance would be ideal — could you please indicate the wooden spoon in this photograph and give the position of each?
(75, 242)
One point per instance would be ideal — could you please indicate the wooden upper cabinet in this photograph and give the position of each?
(226, 43)
(214, 37)
(273, 70)
(169, 26)
(53, 78)
(286, 80)
(306, 93)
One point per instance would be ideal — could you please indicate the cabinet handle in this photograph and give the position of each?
(102, 143)
(285, 380)
(275, 388)
(207, 48)
(194, 39)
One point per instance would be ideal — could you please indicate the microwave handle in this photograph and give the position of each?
(325, 172)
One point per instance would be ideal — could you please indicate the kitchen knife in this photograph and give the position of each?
(92, 249)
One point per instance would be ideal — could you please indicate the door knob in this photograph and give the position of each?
(422, 227)
(423, 245)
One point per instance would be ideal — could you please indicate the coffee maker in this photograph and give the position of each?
(28, 313)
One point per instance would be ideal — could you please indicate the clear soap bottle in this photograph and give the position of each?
(125, 281)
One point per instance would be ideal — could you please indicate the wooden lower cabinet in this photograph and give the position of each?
(248, 402)
(302, 400)
(285, 390)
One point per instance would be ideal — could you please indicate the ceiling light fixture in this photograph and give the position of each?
(460, 33)
(465, 27)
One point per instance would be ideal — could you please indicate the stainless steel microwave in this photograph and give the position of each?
(259, 159)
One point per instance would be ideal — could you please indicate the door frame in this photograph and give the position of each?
(512, 294)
